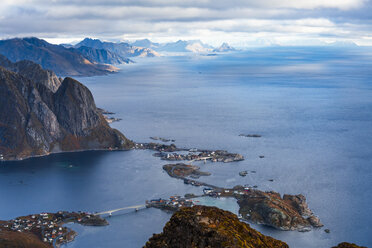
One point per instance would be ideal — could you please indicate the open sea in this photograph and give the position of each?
(312, 106)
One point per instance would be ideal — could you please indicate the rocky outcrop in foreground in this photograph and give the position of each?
(35, 120)
(348, 245)
(202, 226)
(269, 208)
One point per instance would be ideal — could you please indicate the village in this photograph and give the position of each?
(169, 152)
(172, 204)
(213, 156)
(48, 227)
(176, 202)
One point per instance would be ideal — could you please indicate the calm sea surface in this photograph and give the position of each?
(313, 108)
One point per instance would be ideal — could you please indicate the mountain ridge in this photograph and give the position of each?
(61, 60)
(122, 48)
(102, 56)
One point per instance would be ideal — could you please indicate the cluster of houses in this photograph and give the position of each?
(48, 226)
(173, 203)
(177, 156)
(219, 192)
(214, 156)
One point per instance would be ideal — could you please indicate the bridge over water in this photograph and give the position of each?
(110, 212)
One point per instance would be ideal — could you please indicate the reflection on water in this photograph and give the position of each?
(313, 109)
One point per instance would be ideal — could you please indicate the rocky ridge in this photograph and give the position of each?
(102, 56)
(32, 71)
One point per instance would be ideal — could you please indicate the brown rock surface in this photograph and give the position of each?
(10, 239)
(181, 170)
(269, 208)
(202, 227)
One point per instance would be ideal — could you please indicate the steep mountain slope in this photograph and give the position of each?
(61, 60)
(202, 227)
(33, 71)
(34, 120)
(122, 49)
(102, 56)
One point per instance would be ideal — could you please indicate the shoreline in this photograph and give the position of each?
(62, 152)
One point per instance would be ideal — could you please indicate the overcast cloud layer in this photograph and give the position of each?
(239, 22)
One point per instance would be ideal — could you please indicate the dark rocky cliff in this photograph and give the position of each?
(202, 227)
(34, 120)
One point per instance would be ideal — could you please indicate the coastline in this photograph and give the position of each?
(62, 152)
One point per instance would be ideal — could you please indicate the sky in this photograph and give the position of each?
(239, 22)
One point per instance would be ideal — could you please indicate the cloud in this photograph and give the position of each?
(215, 20)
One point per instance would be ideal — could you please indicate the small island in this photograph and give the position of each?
(251, 135)
(181, 170)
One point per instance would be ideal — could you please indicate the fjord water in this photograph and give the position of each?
(312, 106)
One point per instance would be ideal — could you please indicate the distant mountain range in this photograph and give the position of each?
(42, 114)
(183, 46)
(146, 43)
(224, 48)
(121, 49)
(87, 58)
(92, 56)
(61, 60)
